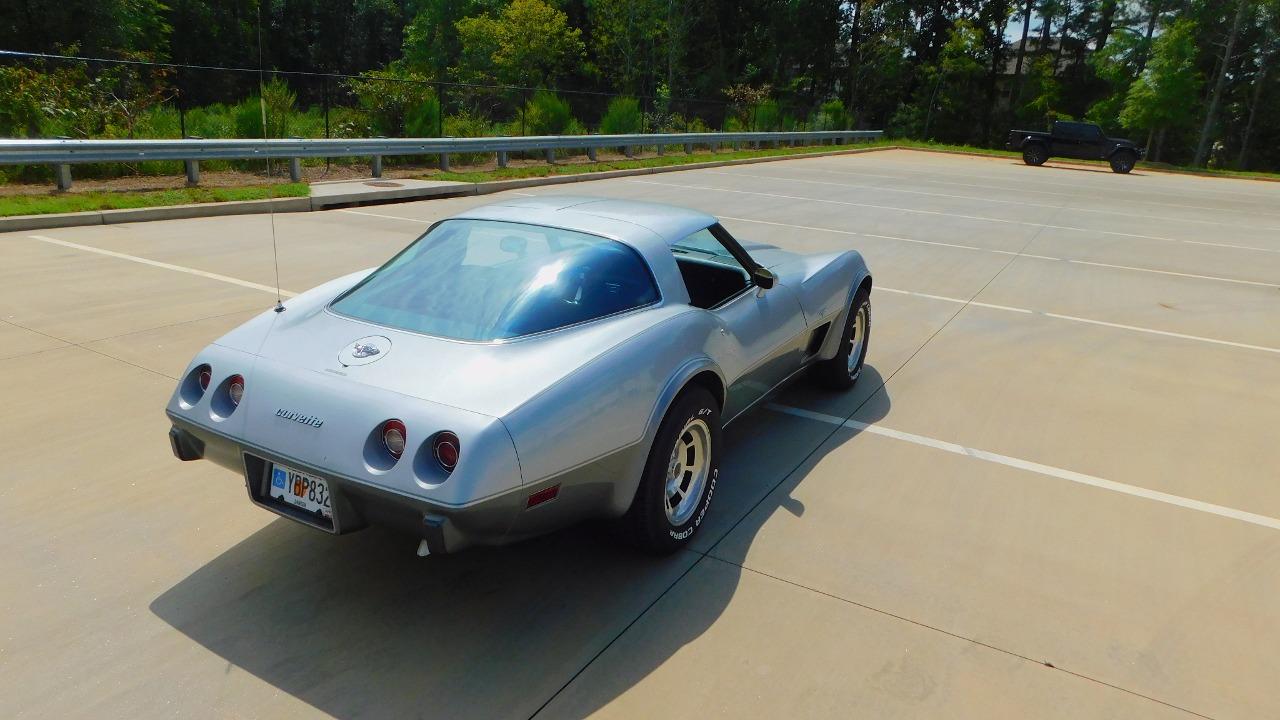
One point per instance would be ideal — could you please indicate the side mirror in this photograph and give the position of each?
(763, 278)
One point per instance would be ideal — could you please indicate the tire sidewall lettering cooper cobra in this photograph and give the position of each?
(680, 535)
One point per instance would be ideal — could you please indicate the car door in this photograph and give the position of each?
(1066, 140)
(760, 334)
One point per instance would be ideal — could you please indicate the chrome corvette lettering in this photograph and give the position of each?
(297, 417)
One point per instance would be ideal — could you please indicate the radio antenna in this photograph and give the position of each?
(266, 149)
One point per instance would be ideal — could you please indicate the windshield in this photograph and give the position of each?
(487, 280)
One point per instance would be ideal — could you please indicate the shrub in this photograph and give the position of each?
(766, 117)
(423, 118)
(623, 117)
(278, 102)
(547, 114)
(387, 96)
(831, 116)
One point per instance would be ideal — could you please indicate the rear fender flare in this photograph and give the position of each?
(625, 487)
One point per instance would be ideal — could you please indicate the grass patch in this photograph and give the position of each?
(80, 202)
(673, 158)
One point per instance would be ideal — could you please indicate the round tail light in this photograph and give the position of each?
(205, 377)
(447, 450)
(393, 437)
(235, 389)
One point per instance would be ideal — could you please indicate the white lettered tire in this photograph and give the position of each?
(680, 475)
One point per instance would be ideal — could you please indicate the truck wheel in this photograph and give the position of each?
(842, 371)
(1034, 154)
(1123, 161)
(679, 476)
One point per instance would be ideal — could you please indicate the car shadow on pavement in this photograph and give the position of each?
(359, 625)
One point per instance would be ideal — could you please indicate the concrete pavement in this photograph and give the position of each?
(1055, 495)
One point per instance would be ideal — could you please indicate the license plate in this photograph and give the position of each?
(301, 490)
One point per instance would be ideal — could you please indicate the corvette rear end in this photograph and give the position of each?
(518, 368)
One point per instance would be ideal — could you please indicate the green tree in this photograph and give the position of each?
(1165, 96)
(627, 37)
(528, 43)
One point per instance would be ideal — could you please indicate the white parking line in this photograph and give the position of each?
(164, 265)
(1004, 252)
(1046, 470)
(389, 217)
(971, 198)
(957, 215)
(1087, 321)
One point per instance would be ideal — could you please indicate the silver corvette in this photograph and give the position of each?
(520, 367)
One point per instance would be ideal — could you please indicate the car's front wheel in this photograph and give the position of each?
(842, 371)
(680, 475)
(1034, 154)
(1123, 161)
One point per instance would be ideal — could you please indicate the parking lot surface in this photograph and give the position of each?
(1053, 493)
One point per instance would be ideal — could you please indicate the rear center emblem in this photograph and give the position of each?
(365, 350)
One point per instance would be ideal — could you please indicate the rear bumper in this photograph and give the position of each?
(492, 521)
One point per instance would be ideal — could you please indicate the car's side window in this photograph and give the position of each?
(711, 273)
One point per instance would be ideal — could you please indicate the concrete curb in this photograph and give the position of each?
(165, 212)
(306, 204)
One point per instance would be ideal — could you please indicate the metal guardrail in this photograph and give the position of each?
(64, 153)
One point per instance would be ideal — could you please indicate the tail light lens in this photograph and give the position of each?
(393, 437)
(235, 389)
(447, 450)
(205, 377)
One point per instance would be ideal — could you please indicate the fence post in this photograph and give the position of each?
(377, 166)
(62, 174)
(440, 120)
(324, 93)
(502, 158)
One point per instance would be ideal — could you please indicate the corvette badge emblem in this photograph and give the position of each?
(365, 350)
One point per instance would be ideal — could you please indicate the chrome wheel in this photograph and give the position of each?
(687, 471)
(857, 337)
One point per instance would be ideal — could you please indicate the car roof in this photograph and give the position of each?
(633, 222)
(649, 228)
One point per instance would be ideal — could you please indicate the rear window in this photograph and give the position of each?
(486, 280)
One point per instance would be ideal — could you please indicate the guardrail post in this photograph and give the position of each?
(295, 169)
(444, 162)
(737, 146)
(688, 148)
(591, 154)
(662, 149)
(377, 166)
(502, 158)
(629, 151)
(193, 172)
(714, 147)
(551, 156)
(62, 173)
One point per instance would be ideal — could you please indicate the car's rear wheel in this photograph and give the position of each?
(680, 475)
(843, 370)
(1034, 154)
(1123, 161)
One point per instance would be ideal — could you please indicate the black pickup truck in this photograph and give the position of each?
(1083, 141)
